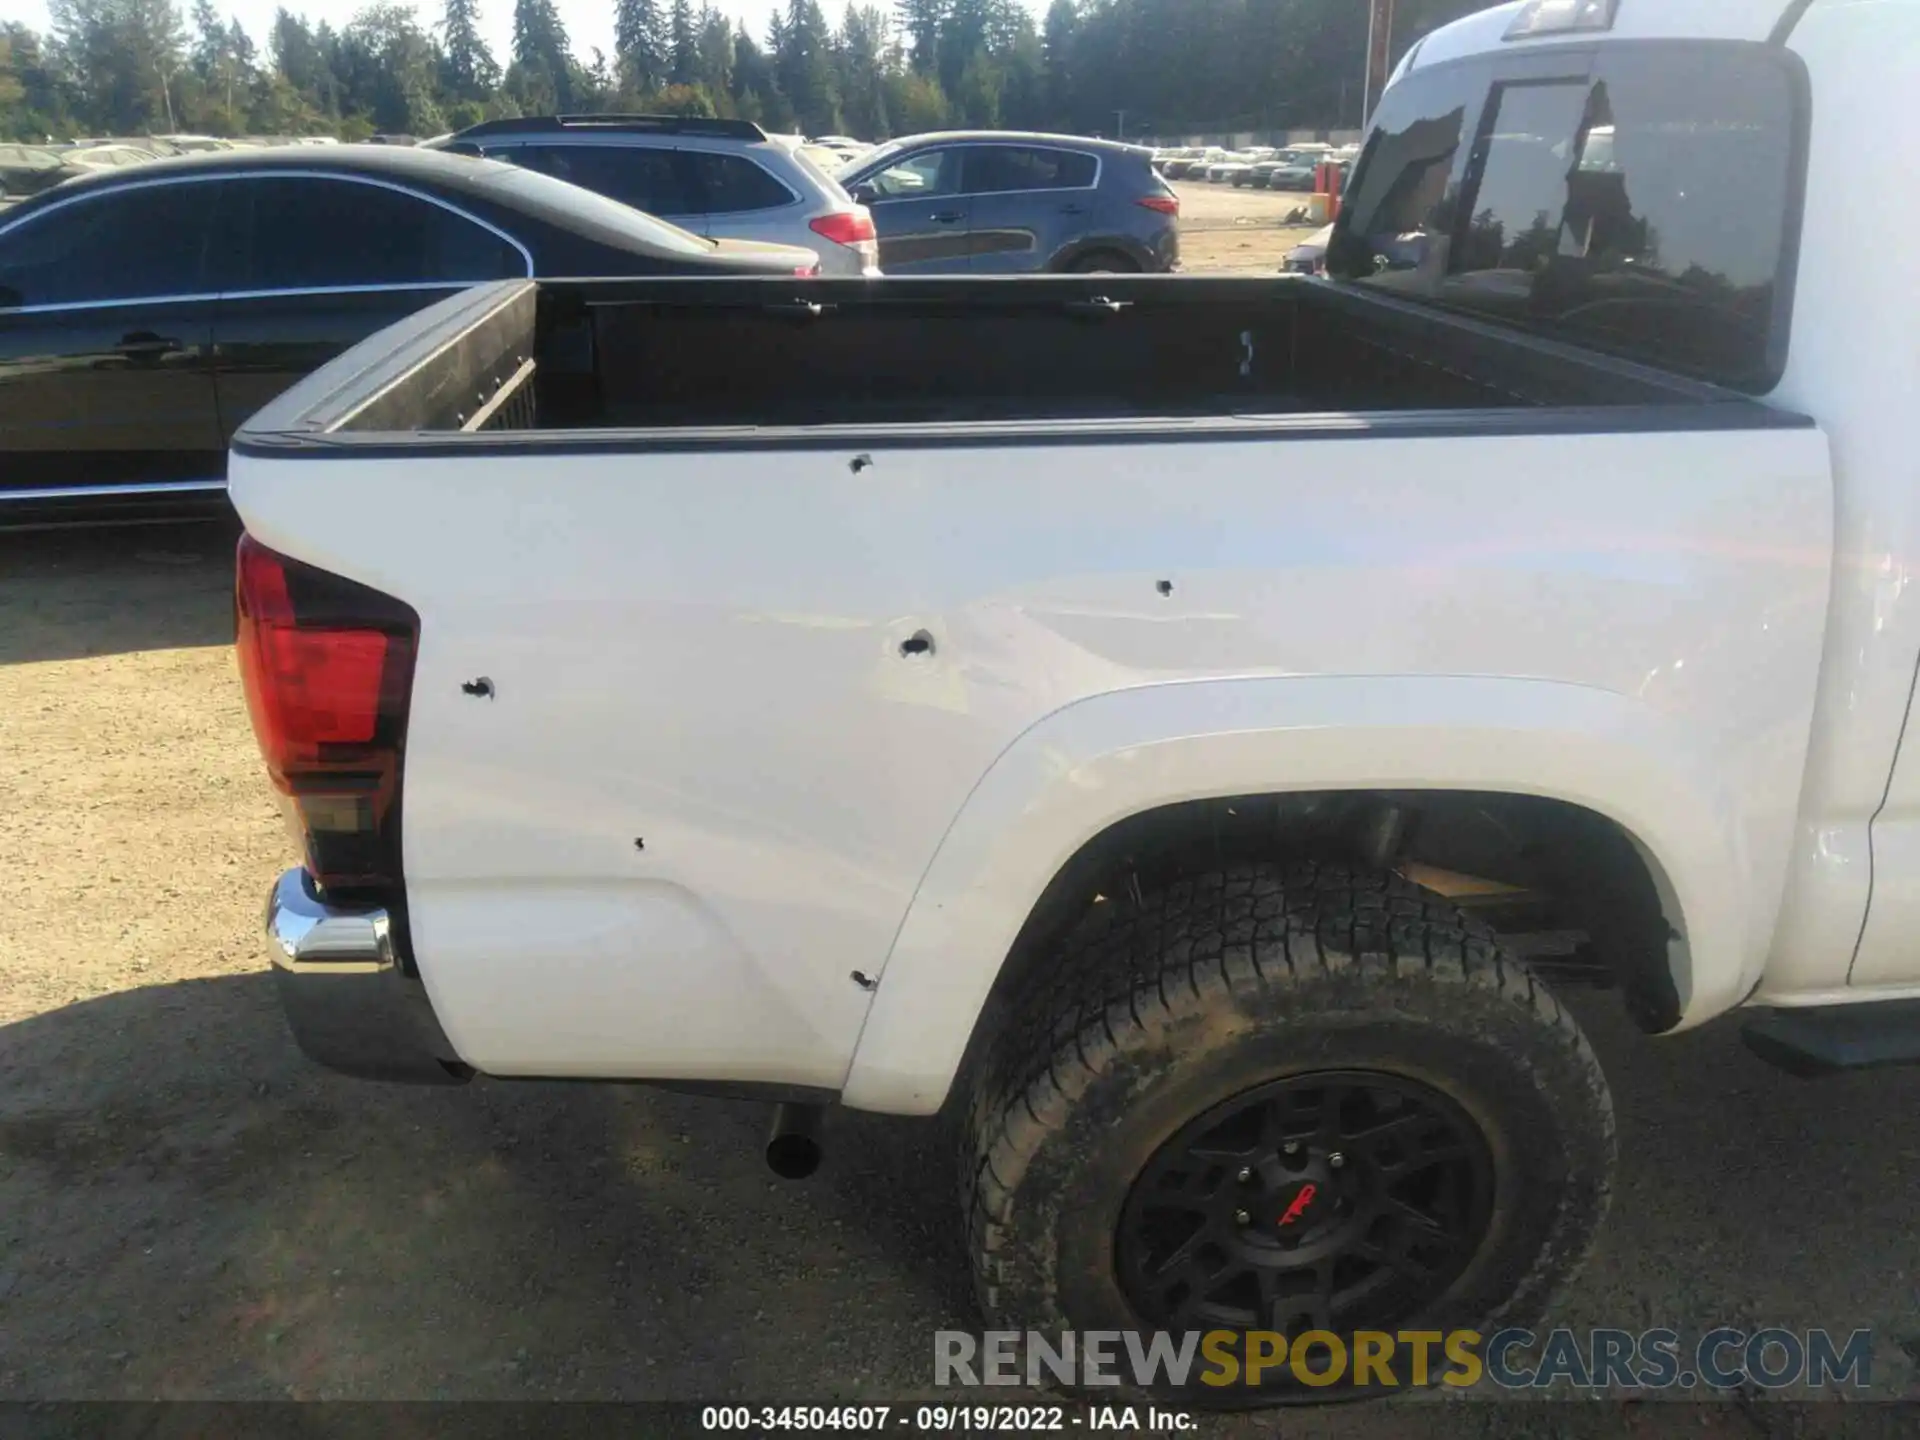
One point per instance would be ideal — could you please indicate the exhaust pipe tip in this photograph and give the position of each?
(793, 1146)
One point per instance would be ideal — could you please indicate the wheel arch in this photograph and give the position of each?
(1629, 810)
(1077, 250)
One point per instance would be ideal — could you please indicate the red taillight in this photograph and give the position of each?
(1165, 204)
(327, 666)
(846, 227)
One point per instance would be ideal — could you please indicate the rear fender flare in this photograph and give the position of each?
(1097, 762)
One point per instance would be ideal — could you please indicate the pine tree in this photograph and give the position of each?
(1057, 49)
(713, 66)
(639, 39)
(805, 66)
(863, 57)
(470, 71)
(541, 54)
(683, 43)
(923, 21)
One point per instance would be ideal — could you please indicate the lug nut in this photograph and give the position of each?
(1336, 1159)
(1241, 1217)
(1292, 1147)
(1246, 1177)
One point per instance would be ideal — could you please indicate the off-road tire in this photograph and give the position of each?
(1159, 1007)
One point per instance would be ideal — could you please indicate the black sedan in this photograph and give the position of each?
(145, 313)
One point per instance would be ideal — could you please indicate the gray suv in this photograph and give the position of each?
(997, 202)
(720, 178)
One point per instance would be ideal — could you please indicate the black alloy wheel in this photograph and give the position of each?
(1333, 1201)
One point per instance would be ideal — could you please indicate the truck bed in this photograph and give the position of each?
(742, 623)
(521, 362)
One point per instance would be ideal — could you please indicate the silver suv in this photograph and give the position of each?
(720, 178)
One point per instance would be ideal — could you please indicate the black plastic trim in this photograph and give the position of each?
(1410, 425)
(1826, 1039)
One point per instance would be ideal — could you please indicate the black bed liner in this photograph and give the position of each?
(650, 364)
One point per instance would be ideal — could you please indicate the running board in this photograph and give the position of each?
(1824, 1039)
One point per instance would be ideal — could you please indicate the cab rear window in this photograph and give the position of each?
(1642, 201)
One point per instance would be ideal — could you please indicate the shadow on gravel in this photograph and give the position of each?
(66, 594)
(188, 1208)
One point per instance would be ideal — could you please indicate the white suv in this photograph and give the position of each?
(720, 178)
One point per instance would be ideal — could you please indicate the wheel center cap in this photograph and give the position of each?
(1298, 1206)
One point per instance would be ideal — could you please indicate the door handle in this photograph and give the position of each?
(946, 217)
(145, 345)
(1073, 209)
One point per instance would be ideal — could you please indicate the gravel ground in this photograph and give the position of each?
(189, 1209)
(1228, 231)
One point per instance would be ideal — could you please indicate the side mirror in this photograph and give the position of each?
(864, 193)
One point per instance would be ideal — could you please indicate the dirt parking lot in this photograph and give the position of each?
(190, 1209)
(1224, 230)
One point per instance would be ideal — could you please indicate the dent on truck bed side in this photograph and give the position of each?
(1113, 756)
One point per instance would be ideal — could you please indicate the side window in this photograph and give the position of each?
(146, 241)
(1645, 213)
(310, 234)
(1398, 215)
(921, 176)
(995, 169)
(645, 177)
(732, 183)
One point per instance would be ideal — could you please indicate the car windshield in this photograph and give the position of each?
(815, 162)
(517, 187)
(871, 158)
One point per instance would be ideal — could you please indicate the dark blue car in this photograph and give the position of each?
(996, 202)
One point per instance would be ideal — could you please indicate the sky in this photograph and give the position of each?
(589, 22)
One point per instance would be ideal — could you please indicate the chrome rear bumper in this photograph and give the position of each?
(348, 998)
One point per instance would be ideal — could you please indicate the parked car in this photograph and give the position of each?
(29, 169)
(106, 157)
(990, 202)
(1193, 165)
(715, 177)
(144, 312)
(1309, 257)
(1071, 725)
(1247, 159)
(1292, 168)
(193, 144)
(1165, 159)
(1240, 168)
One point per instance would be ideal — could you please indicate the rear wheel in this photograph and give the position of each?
(1104, 262)
(1284, 1100)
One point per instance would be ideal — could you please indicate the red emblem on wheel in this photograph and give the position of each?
(1298, 1205)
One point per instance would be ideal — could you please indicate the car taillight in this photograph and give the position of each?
(327, 666)
(1165, 204)
(846, 227)
(808, 272)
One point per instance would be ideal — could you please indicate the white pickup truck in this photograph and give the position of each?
(1187, 728)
